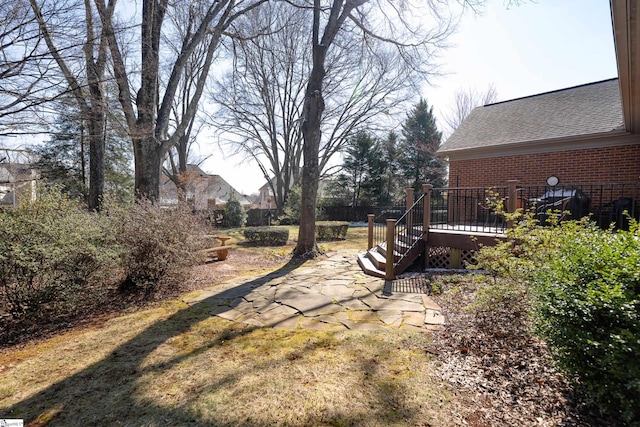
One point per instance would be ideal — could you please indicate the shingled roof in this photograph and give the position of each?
(593, 108)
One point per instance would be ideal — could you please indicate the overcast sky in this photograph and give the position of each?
(523, 50)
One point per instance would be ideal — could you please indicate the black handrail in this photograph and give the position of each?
(410, 227)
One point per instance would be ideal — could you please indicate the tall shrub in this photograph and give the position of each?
(291, 210)
(581, 286)
(53, 254)
(158, 244)
(587, 309)
(234, 213)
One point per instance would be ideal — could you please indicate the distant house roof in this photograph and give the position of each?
(589, 109)
(207, 191)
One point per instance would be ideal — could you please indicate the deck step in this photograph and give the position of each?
(378, 259)
(368, 267)
(382, 249)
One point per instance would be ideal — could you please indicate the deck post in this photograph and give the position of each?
(426, 220)
(455, 258)
(370, 218)
(391, 227)
(512, 199)
(408, 204)
(426, 210)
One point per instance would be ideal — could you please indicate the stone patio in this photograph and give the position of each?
(332, 295)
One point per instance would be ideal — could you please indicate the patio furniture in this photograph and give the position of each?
(618, 213)
(564, 203)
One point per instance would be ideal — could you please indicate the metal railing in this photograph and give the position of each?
(378, 224)
(604, 203)
(468, 209)
(409, 229)
(476, 209)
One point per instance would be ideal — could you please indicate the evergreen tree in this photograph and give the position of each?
(392, 190)
(362, 181)
(421, 138)
(234, 214)
(64, 158)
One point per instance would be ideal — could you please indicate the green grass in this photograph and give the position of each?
(177, 365)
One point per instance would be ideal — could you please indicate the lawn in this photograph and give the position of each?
(174, 364)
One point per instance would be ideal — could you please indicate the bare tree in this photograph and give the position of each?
(416, 31)
(148, 110)
(27, 82)
(262, 98)
(180, 155)
(85, 84)
(464, 101)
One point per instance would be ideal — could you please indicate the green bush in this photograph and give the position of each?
(234, 214)
(267, 236)
(54, 256)
(587, 309)
(291, 209)
(158, 244)
(331, 230)
(581, 287)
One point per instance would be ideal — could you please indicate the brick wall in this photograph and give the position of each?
(586, 166)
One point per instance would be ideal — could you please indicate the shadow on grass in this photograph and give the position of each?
(110, 391)
(82, 390)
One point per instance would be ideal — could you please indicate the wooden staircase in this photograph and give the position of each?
(408, 246)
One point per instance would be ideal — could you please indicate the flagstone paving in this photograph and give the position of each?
(333, 294)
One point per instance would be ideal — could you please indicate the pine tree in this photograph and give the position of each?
(64, 158)
(234, 214)
(362, 180)
(421, 138)
(392, 190)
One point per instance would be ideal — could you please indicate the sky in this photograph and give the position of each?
(536, 47)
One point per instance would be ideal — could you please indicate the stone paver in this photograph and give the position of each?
(330, 295)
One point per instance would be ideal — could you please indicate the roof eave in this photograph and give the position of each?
(577, 142)
(624, 17)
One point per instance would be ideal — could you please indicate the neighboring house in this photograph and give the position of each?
(18, 177)
(266, 198)
(203, 191)
(584, 134)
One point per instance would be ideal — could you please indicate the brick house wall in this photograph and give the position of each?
(617, 164)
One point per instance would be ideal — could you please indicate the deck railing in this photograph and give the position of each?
(468, 209)
(475, 210)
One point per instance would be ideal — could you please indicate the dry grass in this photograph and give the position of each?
(356, 239)
(177, 365)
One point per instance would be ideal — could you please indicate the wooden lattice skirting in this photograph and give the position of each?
(446, 257)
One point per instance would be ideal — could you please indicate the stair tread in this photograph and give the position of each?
(368, 267)
(377, 256)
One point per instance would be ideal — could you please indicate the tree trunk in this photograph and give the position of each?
(147, 167)
(313, 108)
(96, 126)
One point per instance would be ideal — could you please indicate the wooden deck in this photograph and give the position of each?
(463, 238)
